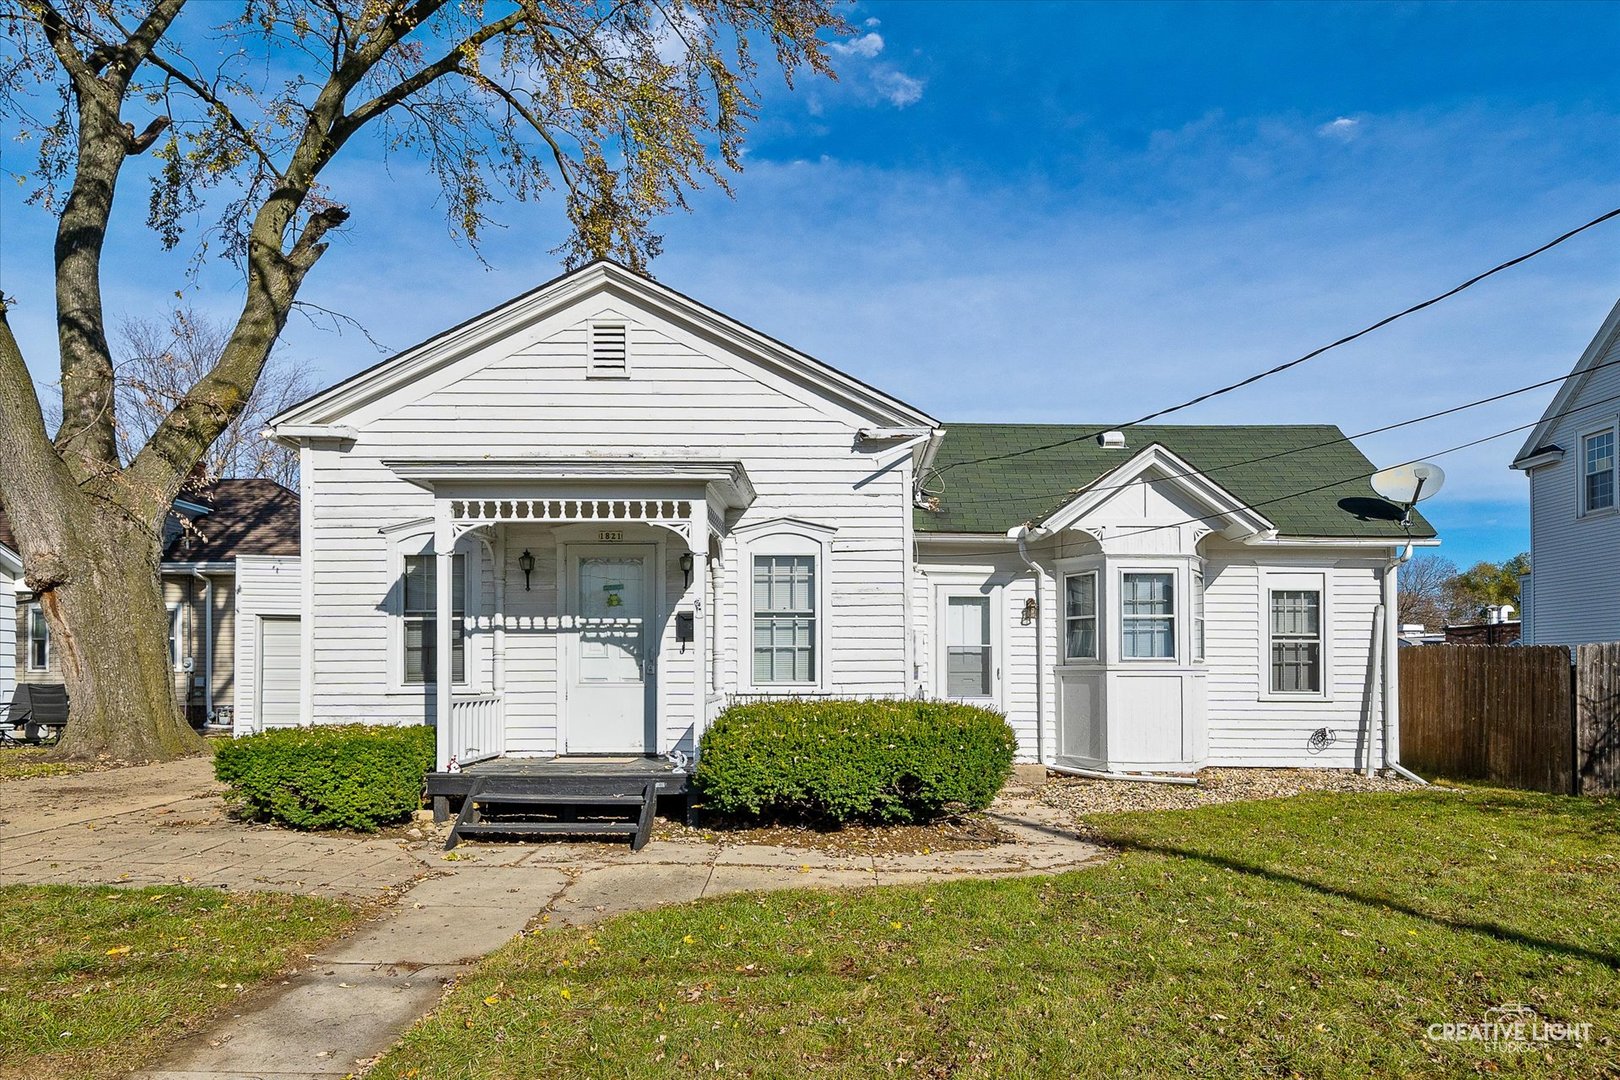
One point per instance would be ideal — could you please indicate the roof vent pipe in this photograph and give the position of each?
(1111, 440)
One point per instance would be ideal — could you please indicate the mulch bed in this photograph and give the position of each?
(1080, 796)
(967, 832)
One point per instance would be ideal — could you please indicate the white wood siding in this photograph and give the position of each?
(1246, 726)
(686, 398)
(1575, 560)
(8, 637)
(266, 585)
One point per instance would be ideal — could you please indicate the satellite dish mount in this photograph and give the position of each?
(1407, 485)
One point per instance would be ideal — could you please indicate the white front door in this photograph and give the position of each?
(613, 661)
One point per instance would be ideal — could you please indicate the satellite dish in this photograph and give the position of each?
(1407, 485)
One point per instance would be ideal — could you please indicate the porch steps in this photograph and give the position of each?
(557, 806)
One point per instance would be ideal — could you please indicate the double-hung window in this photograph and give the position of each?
(784, 619)
(39, 640)
(1148, 616)
(420, 631)
(175, 635)
(1597, 472)
(1296, 641)
(1198, 615)
(1080, 616)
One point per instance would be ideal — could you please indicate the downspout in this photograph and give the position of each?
(208, 645)
(1023, 534)
(1392, 644)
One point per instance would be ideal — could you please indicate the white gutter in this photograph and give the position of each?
(1391, 649)
(1022, 534)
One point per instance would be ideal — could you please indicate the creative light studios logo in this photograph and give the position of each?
(1514, 1025)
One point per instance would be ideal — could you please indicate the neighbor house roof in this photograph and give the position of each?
(246, 517)
(993, 496)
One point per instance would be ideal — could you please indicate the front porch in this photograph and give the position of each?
(555, 616)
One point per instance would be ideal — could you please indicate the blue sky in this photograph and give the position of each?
(1075, 213)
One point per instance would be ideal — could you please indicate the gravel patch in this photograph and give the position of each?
(1081, 796)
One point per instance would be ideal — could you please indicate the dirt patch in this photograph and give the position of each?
(966, 833)
(1080, 796)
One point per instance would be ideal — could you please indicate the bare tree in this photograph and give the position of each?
(158, 361)
(621, 107)
(1426, 594)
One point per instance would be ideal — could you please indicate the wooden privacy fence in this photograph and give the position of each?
(1523, 717)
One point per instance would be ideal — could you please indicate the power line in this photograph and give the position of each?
(1394, 426)
(955, 553)
(1313, 354)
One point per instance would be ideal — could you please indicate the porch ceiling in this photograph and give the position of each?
(726, 480)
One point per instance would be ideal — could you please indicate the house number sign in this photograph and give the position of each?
(610, 536)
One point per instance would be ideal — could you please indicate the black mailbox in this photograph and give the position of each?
(684, 627)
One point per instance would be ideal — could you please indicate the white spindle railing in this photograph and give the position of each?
(477, 727)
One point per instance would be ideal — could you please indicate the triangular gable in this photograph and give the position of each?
(1573, 385)
(332, 406)
(1241, 520)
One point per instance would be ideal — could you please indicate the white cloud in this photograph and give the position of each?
(898, 88)
(1344, 129)
(866, 46)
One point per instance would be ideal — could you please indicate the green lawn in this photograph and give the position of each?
(26, 762)
(1314, 936)
(95, 981)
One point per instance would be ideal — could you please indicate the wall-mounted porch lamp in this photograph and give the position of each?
(526, 564)
(686, 565)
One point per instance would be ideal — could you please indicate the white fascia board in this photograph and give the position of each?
(340, 400)
(1222, 503)
(11, 561)
(729, 478)
(1550, 456)
(1572, 385)
(217, 566)
(948, 539)
(1340, 541)
(294, 436)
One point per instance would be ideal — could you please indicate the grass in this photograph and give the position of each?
(1317, 936)
(97, 981)
(24, 762)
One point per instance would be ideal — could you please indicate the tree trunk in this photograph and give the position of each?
(96, 576)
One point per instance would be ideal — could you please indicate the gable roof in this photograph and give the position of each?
(1572, 386)
(245, 517)
(330, 406)
(994, 496)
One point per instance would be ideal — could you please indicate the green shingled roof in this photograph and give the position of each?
(994, 496)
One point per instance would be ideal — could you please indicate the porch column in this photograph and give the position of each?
(444, 564)
(498, 665)
(698, 545)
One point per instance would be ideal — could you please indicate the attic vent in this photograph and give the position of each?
(609, 351)
(1111, 440)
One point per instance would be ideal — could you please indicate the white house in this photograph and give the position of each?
(584, 521)
(1572, 594)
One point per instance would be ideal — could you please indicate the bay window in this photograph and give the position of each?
(1148, 616)
(1080, 616)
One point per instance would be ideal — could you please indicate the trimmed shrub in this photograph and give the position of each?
(883, 760)
(348, 776)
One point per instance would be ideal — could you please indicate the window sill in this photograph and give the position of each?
(1599, 515)
(1296, 697)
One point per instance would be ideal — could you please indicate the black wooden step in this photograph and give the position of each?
(510, 798)
(552, 828)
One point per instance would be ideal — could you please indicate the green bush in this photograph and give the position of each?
(349, 776)
(884, 760)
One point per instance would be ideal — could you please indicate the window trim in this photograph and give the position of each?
(994, 594)
(28, 661)
(1295, 579)
(783, 536)
(421, 543)
(1583, 509)
(177, 654)
(1121, 619)
(1096, 618)
(1198, 622)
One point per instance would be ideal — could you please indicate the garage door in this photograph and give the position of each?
(278, 671)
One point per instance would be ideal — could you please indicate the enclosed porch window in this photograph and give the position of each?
(420, 636)
(1149, 616)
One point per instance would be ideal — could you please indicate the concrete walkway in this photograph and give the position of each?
(165, 824)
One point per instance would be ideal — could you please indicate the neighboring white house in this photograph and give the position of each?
(582, 522)
(1572, 594)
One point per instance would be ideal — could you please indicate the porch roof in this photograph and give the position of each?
(727, 480)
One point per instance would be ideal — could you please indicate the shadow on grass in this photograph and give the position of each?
(1486, 929)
